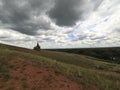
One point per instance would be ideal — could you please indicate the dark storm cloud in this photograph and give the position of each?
(65, 12)
(68, 12)
(19, 14)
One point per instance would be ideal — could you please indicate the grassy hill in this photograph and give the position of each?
(108, 54)
(51, 70)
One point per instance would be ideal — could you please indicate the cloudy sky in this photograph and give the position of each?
(60, 23)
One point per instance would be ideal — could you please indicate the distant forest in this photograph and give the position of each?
(111, 54)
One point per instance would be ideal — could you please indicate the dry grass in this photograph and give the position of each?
(82, 69)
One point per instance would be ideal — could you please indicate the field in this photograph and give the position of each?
(24, 69)
(108, 54)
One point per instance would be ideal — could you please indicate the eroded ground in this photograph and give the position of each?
(25, 75)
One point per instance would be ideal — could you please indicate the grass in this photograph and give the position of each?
(24, 83)
(48, 78)
(82, 69)
(33, 88)
(4, 73)
(107, 54)
(3, 69)
(81, 61)
(11, 88)
(6, 76)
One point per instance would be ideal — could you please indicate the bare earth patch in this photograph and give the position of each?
(26, 75)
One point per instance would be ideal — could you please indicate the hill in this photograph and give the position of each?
(108, 54)
(24, 69)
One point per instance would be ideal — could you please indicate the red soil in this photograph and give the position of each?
(27, 75)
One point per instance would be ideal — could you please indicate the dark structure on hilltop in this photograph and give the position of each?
(37, 47)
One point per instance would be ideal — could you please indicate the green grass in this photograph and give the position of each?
(11, 88)
(82, 69)
(4, 73)
(80, 60)
(48, 78)
(24, 83)
(107, 54)
(33, 88)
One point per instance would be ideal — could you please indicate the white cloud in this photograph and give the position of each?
(101, 28)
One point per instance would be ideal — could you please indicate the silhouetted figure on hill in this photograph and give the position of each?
(37, 47)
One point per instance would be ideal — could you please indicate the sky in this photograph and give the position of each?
(60, 23)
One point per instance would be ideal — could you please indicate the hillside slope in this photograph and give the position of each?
(108, 54)
(49, 70)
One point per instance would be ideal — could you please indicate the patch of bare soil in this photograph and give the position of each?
(26, 75)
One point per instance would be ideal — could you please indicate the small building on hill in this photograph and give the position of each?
(37, 47)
